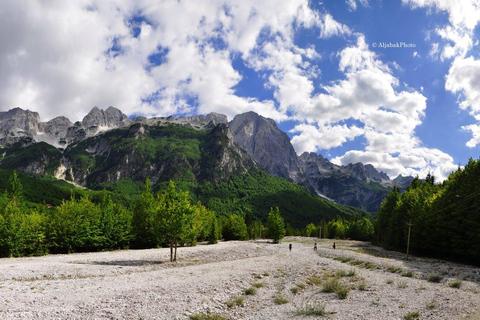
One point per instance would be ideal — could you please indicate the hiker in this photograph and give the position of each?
(315, 246)
(334, 245)
(290, 246)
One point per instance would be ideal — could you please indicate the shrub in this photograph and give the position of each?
(317, 309)
(456, 284)
(334, 285)
(250, 291)
(411, 316)
(435, 278)
(279, 299)
(407, 274)
(203, 316)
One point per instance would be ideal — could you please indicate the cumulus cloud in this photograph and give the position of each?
(459, 34)
(147, 57)
(458, 37)
(369, 95)
(168, 57)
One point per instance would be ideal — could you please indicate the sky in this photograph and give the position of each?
(392, 83)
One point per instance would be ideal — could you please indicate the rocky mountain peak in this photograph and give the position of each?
(266, 144)
(100, 119)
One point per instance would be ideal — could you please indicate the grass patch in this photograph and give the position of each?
(250, 291)
(257, 284)
(238, 301)
(301, 285)
(266, 274)
(389, 281)
(334, 285)
(431, 305)
(435, 278)
(352, 272)
(411, 316)
(355, 262)
(371, 265)
(203, 316)
(312, 310)
(342, 259)
(402, 284)
(257, 276)
(456, 284)
(294, 290)
(362, 286)
(314, 280)
(341, 273)
(279, 299)
(407, 274)
(394, 269)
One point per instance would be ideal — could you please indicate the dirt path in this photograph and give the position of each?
(140, 284)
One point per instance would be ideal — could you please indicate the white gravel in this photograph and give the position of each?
(142, 284)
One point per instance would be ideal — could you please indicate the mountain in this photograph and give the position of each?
(108, 151)
(356, 184)
(104, 147)
(267, 144)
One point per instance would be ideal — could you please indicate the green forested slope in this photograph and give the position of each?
(445, 217)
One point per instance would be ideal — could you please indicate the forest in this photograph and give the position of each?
(444, 217)
(84, 220)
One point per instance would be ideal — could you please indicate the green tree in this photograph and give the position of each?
(115, 224)
(173, 213)
(74, 226)
(310, 230)
(142, 221)
(234, 228)
(275, 225)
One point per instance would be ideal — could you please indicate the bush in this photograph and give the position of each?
(435, 278)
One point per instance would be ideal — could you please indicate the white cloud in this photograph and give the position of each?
(463, 16)
(56, 57)
(352, 4)
(369, 95)
(312, 139)
(475, 130)
(464, 77)
(63, 58)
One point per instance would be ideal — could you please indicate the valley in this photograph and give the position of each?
(213, 279)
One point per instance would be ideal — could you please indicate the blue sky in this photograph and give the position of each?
(320, 69)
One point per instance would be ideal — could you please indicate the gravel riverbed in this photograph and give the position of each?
(208, 279)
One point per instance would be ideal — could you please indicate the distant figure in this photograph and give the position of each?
(290, 246)
(315, 246)
(334, 245)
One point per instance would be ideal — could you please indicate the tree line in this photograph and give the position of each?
(168, 219)
(445, 217)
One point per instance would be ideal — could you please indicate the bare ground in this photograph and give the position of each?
(141, 284)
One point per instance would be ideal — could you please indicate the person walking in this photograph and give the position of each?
(315, 246)
(334, 245)
(290, 246)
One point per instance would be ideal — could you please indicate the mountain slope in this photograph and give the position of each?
(355, 184)
(205, 161)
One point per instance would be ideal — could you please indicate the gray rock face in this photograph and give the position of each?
(266, 144)
(354, 184)
(98, 120)
(16, 124)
